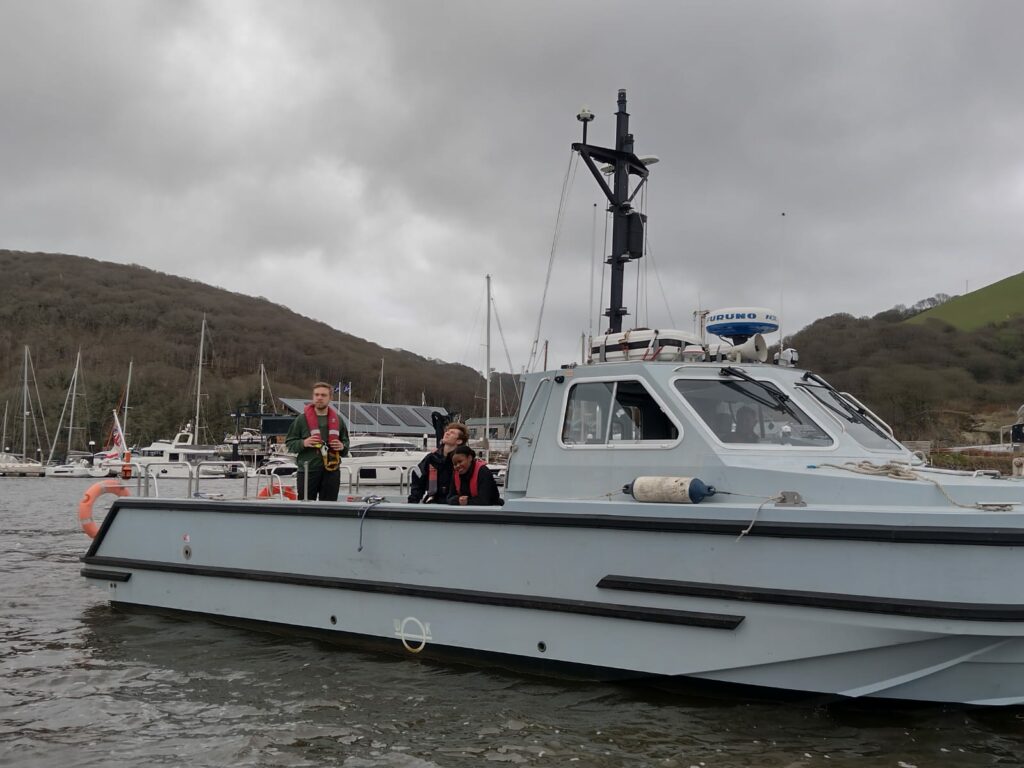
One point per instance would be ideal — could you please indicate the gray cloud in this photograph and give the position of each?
(367, 164)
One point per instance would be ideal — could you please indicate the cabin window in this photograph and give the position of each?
(616, 412)
(751, 413)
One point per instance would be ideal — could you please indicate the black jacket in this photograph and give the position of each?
(419, 487)
(487, 489)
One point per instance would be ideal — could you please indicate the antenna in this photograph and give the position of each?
(782, 282)
(627, 224)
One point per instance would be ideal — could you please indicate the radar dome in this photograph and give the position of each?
(740, 323)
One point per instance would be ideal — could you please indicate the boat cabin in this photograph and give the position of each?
(606, 423)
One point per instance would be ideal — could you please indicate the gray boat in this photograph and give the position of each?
(674, 509)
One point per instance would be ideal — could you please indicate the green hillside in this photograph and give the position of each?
(929, 380)
(994, 303)
(56, 304)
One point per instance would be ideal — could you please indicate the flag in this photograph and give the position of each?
(348, 387)
(117, 437)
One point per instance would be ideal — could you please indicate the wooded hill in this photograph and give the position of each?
(56, 304)
(928, 378)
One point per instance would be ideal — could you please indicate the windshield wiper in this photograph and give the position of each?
(852, 413)
(779, 399)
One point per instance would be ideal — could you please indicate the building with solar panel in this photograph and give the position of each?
(411, 421)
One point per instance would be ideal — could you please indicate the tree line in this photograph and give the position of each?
(57, 304)
(929, 381)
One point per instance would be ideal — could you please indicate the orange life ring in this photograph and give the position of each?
(273, 490)
(90, 526)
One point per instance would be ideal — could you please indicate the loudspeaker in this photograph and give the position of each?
(752, 350)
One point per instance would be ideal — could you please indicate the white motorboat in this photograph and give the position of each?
(377, 460)
(829, 559)
(178, 457)
(278, 464)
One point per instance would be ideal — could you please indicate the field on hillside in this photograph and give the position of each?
(994, 303)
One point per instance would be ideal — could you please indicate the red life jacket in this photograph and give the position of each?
(431, 480)
(474, 489)
(333, 423)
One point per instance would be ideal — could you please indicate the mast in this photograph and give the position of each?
(74, 394)
(3, 442)
(24, 411)
(381, 400)
(627, 224)
(263, 373)
(199, 382)
(487, 373)
(127, 392)
(68, 399)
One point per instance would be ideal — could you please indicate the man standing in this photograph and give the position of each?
(431, 481)
(319, 438)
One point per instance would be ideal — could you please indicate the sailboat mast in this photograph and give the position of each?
(199, 383)
(3, 442)
(74, 393)
(263, 375)
(24, 410)
(487, 374)
(127, 392)
(381, 401)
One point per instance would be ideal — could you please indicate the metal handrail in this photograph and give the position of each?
(870, 414)
(274, 484)
(227, 464)
(147, 470)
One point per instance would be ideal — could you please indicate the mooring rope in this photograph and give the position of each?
(903, 472)
(371, 502)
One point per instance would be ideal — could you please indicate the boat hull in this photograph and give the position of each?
(629, 596)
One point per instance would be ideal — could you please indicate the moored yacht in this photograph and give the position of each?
(381, 460)
(74, 468)
(177, 457)
(674, 510)
(278, 464)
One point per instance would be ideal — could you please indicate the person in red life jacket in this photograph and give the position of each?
(472, 482)
(319, 438)
(431, 481)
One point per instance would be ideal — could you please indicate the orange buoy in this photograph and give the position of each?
(286, 490)
(90, 526)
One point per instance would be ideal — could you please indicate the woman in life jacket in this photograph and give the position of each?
(472, 482)
(431, 481)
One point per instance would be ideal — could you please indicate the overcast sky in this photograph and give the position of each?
(367, 163)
